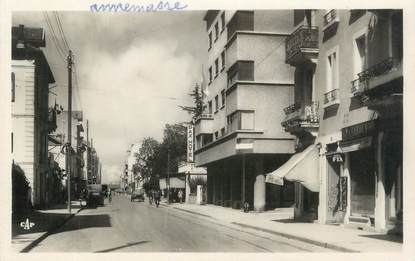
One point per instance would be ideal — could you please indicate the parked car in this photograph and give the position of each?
(137, 195)
(95, 195)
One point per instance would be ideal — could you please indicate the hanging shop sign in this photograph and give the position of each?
(190, 145)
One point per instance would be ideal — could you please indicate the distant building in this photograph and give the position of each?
(30, 79)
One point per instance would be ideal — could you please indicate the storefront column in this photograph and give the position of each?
(380, 205)
(323, 201)
(259, 186)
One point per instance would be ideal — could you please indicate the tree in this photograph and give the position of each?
(145, 159)
(199, 105)
(174, 144)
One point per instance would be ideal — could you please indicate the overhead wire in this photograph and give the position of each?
(53, 35)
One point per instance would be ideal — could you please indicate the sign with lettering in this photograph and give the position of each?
(190, 144)
(360, 130)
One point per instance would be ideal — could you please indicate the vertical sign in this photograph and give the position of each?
(190, 143)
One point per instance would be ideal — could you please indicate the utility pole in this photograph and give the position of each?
(168, 175)
(88, 159)
(69, 147)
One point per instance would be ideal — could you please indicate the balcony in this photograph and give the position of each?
(330, 19)
(301, 118)
(381, 75)
(331, 98)
(301, 45)
(204, 124)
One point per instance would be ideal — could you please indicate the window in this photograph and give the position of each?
(332, 73)
(216, 67)
(359, 54)
(216, 135)
(223, 97)
(222, 131)
(210, 74)
(223, 59)
(216, 31)
(216, 103)
(210, 106)
(222, 21)
(241, 120)
(13, 87)
(210, 40)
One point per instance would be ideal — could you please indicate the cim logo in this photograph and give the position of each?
(27, 225)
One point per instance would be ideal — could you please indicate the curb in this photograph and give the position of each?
(289, 236)
(35, 242)
(299, 238)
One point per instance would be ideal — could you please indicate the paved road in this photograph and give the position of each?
(125, 226)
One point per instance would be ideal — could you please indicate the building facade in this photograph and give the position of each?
(240, 138)
(361, 127)
(348, 105)
(30, 79)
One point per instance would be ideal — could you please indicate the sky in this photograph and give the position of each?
(133, 72)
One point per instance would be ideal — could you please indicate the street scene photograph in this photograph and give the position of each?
(208, 131)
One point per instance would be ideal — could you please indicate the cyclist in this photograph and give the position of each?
(109, 195)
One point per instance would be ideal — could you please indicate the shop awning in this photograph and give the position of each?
(301, 167)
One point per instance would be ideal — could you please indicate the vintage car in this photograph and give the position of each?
(137, 195)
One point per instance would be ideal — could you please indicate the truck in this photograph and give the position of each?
(95, 195)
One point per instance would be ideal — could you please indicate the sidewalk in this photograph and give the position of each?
(280, 222)
(43, 223)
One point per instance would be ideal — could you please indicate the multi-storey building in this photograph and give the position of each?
(30, 79)
(134, 181)
(348, 68)
(240, 138)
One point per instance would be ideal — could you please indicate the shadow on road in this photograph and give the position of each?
(123, 246)
(42, 222)
(86, 221)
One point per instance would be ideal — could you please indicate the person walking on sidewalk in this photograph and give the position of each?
(180, 196)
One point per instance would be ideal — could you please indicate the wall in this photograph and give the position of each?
(23, 113)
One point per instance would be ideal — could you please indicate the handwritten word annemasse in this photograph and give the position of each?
(126, 7)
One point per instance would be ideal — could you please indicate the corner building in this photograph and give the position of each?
(240, 138)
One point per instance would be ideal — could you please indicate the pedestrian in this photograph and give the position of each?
(180, 196)
(157, 197)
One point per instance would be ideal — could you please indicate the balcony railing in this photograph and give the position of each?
(383, 67)
(330, 17)
(357, 88)
(361, 84)
(331, 96)
(303, 37)
(301, 117)
(204, 116)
